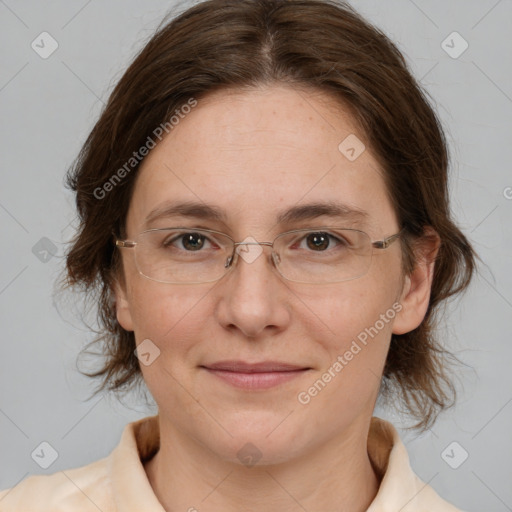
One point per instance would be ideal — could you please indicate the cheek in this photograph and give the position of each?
(356, 321)
(345, 311)
(163, 312)
(172, 319)
(355, 356)
(349, 380)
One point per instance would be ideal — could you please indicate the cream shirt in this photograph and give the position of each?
(118, 482)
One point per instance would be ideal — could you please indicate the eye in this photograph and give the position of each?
(319, 241)
(191, 241)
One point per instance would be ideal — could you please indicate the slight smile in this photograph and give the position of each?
(255, 376)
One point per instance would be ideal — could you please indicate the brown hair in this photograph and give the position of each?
(321, 45)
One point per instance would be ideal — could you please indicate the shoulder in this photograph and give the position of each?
(84, 489)
(424, 498)
(119, 477)
(428, 499)
(400, 488)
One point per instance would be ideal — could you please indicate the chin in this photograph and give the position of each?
(264, 440)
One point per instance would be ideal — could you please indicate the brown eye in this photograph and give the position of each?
(189, 241)
(318, 241)
(193, 241)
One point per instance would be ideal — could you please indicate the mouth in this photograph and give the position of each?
(254, 376)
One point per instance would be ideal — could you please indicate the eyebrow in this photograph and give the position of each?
(200, 210)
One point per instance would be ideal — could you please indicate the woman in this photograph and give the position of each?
(264, 215)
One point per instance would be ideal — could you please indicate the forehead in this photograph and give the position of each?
(254, 153)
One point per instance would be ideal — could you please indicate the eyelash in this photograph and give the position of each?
(339, 241)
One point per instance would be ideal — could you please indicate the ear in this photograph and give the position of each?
(123, 313)
(415, 295)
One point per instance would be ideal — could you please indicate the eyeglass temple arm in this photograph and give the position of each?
(384, 244)
(123, 243)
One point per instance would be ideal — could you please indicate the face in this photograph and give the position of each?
(254, 154)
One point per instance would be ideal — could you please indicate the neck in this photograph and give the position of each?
(335, 476)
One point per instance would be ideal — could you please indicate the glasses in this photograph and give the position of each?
(193, 256)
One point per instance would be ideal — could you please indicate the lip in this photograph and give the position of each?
(253, 376)
(262, 367)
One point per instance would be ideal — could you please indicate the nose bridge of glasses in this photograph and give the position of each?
(253, 243)
(234, 258)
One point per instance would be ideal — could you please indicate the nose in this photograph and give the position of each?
(254, 299)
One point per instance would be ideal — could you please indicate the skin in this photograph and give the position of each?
(255, 152)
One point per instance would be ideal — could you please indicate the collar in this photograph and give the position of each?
(400, 489)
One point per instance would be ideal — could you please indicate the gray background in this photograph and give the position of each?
(48, 107)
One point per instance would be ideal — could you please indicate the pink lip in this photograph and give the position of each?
(263, 367)
(254, 376)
